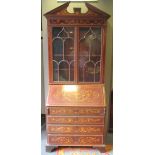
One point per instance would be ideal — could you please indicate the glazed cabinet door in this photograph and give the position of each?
(63, 54)
(90, 54)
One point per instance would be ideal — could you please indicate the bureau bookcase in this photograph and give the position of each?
(75, 108)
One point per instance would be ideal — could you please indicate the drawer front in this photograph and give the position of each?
(74, 140)
(94, 130)
(75, 111)
(75, 120)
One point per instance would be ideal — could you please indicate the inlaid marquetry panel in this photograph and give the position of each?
(75, 120)
(60, 140)
(75, 129)
(77, 21)
(74, 140)
(82, 95)
(75, 111)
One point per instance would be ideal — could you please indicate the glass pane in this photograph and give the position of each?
(69, 49)
(89, 72)
(89, 54)
(72, 71)
(63, 53)
(63, 71)
(55, 67)
(97, 72)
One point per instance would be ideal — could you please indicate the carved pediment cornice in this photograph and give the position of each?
(60, 15)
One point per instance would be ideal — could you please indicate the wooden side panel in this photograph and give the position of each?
(61, 129)
(75, 120)
(75, 111)
(74, 140)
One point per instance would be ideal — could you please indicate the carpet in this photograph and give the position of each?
(83, 151)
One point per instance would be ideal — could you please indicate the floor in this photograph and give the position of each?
(109, 140)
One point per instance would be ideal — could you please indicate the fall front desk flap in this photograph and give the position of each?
(76, 95)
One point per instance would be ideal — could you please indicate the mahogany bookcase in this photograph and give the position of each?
(75, 108)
